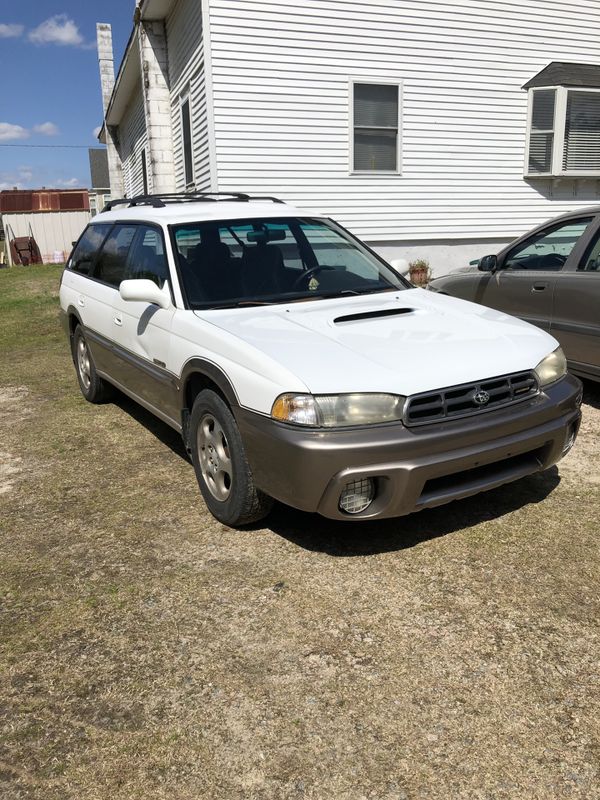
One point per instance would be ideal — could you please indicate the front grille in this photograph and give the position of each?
(462, 401)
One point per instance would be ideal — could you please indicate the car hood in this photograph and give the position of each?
(460, 272)
(403, 342)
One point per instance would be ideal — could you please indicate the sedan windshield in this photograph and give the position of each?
(262, 261)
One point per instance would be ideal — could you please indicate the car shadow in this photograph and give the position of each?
(167, 435)
(347, 539)
(591, 393)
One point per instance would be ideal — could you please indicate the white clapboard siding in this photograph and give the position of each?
(280, 87)
(186, 73)
(53, 231)
(133, 139)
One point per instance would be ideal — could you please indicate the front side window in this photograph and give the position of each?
(111, 263)
(549, 249)
(375, 127)
(147, 258)
(264, 261)
(591, 260)
(85, 251)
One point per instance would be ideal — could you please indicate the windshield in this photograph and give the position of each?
(262, 261)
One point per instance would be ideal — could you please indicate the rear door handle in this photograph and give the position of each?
(539, 287)
(81, 301)
(118, 320)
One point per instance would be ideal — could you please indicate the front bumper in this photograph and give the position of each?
(413, 468)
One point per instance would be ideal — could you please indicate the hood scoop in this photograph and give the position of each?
(388, 312)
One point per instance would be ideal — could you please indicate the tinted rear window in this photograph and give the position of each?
(84, 254)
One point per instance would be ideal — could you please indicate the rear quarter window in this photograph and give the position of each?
(84, 254)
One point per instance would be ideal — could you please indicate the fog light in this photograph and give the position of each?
(357, 495)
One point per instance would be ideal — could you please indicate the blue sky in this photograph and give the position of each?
(50, 87)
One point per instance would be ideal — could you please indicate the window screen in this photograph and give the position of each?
(582, 132)
(186, 133)
(375, 127)
(541, 138)
(144, 171)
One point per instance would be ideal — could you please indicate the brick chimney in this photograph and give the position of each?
(106, 64)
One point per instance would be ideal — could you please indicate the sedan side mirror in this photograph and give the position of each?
(488, 263)
(145, 291)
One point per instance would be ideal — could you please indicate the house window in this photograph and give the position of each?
(564, 132)
(375, 127)
(582, 132)
(186, 135)
(541, 137)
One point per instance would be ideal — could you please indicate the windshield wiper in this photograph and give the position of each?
(344, 293)
(238, 304)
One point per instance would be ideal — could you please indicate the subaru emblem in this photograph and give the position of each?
(481, 398)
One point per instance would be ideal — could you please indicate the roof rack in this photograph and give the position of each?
(161, 200)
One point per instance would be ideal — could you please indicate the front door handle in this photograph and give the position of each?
(539, 287)
(118, 320)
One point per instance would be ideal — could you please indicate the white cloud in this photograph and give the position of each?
(8, 31)
(59, 29)
(70, 183)
(46, 129)
(8, 131)
(96, 131)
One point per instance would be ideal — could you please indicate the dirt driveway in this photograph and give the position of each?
(147, 651)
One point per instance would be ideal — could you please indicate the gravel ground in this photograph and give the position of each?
(147, 651)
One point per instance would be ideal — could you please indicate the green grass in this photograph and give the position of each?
(146, 651)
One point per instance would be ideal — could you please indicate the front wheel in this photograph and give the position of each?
(219, 459)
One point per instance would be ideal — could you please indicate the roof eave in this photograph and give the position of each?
(155, 9)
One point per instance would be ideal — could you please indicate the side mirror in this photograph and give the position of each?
(488, 263)
(145, 291)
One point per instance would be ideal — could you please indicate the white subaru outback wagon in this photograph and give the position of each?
(299, 366)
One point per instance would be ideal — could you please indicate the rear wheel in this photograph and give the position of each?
(222, 470)
(93, 387)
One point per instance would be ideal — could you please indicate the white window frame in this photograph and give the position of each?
(184, 98)
(558, 144)
(375, 82)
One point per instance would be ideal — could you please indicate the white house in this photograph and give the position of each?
(435, 129)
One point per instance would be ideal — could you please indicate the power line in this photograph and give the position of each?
(70, 146)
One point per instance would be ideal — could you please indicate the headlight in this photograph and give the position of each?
(551, 368)
(337, 410)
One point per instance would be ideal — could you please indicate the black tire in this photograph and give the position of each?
(93, 387)
(219, 459)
